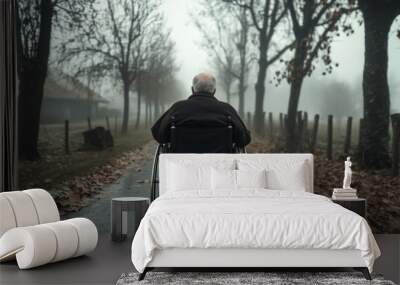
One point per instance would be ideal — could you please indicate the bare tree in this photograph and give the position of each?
(138, 88)
(314, 23)
(160, 73)
(35, 20)
(142, 57)
(245, 56)
(378, 18)
(226, 38)
(111, 36)
(218, 40)
(225, 75)
(266, 16)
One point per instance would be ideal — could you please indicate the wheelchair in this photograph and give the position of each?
(199, 139)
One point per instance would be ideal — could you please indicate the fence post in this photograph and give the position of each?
(396, 143)
(314, 134)
(285, 125)
(66, 139)
(264, 125)
(271, 124)
(299, 117)
(306, 139)
(107, 123)
(305, 119)
(329, 153)
(299, 121)
(347, 140)
(281, 123)
(300, 131)
(89, 123)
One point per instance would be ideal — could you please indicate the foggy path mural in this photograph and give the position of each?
(305, 75)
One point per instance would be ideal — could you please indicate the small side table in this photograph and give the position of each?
(358, 206)
(119, 215)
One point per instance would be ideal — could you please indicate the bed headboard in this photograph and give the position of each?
(270, 157)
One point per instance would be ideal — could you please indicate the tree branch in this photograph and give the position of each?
(279, 53)
(116, 31)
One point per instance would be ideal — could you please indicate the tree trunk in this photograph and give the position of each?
(29, 105)
(150, 112)
(260, 86)
(227, 83)
(125, 116)
(295, 90)
(291, 128)
(146, 113)
(242, 89)
(157, 106)
(375, 136)
(242, 78)
(32, 76)
(228, 94)
(243, 60)
(139, 105)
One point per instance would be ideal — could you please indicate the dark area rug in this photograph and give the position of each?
(273, 278)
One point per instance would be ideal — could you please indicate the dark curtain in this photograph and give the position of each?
(8, 96)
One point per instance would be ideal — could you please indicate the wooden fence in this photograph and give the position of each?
(309, 134)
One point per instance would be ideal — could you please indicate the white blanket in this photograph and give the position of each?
(250, 219)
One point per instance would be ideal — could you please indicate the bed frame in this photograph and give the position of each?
(260, 259)
(242, 259)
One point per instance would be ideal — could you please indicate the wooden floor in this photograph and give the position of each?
(110, 260)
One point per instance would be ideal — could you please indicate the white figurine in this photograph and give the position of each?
(347, 174)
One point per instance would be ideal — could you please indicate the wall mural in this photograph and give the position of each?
(305, 76)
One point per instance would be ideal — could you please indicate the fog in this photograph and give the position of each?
(344, 84)
(347, 51)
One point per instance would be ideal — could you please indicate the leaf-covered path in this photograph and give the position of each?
(134, 182)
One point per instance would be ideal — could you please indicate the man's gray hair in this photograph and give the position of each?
(204, 82)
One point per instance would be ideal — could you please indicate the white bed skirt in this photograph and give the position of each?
(235, 257)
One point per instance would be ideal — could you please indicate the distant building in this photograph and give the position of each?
(66, 98)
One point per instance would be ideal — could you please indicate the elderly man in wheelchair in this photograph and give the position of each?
(199, 124)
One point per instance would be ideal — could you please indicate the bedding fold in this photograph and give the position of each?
(252, 218)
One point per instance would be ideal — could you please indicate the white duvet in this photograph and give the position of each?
(250, 219)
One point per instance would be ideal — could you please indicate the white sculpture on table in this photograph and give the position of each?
(346, 192)
(347, 174)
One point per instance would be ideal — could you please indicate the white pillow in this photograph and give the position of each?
(227, 179)
(251, 179)
(223, 179)
(181, 177)
(186, 174)
(292, 179)
(281, 174)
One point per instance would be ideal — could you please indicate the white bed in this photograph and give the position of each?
(249, 227)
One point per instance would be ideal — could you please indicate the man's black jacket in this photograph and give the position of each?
(201, 109)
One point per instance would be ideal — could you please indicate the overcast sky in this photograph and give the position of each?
(348, 51)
